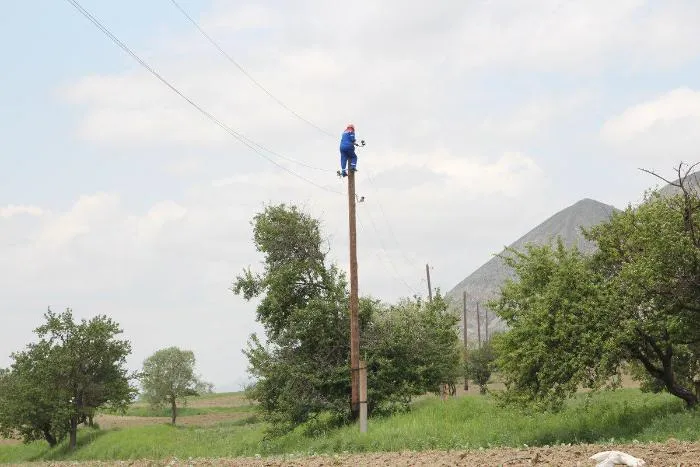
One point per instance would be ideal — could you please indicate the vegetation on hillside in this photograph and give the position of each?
(575, 320)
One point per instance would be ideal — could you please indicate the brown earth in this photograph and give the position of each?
(228, 400)
(672, 453)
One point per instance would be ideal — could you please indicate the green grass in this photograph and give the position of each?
(146, 411)
(462, 423)
(218, 395)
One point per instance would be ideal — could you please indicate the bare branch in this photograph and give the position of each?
(659, 176)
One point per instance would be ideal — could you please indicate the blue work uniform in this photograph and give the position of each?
(347, 150)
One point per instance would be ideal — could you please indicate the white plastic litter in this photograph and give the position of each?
(612, 458)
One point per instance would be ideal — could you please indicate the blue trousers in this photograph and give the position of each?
(348, 155)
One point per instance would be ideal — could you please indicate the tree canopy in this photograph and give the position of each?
(302, 372)
(168, 377)
(576, 320)
(59, 381)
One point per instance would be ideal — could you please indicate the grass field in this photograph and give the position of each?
(465, 422)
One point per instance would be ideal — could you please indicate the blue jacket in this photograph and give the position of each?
(347, 141)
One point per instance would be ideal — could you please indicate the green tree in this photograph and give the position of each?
(168, 377)
(577, 320)
(302, 372)
(480, 365)
(59, 381)
(29, 407)
(411, 348)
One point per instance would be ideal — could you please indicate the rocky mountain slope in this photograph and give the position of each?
(484, 283)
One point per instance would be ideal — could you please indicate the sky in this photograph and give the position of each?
(481, 120)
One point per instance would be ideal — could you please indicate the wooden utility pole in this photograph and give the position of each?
(486, 324)
(363, 396)
(478, 324)
(430, 289)
(354, 303)
(466, 352)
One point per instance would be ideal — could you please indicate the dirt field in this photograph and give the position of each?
(672, 453)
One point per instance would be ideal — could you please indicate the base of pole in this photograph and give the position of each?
(363, 397)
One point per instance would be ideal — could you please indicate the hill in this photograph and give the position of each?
(484, 283)
(692, 181)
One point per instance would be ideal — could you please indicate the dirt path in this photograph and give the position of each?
(672, 453)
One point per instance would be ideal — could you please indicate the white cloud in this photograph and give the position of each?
(664, 110)
(16, 210)
(157, 218)
(578, 36)
(87, 211)
(163, 273)
(243, 18)
(664, 129)
(395, 62)
(535, 116)
(448, 175)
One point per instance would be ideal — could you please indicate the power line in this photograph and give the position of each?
(240, 67)
(234, 62)
(251, 144)
(257, 83)
(256, 147)
(386, 220)
(393, 266)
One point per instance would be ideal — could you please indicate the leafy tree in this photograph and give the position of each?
(59, 381)
(480, 365)
(29, 407)
(303, 369)
(576, 320)
(302, 372)
(168, 378)
(411, 348)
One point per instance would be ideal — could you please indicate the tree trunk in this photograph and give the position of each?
(677, 390)
(672, 385)
(73, 432)
(51, 439)
(173, 408)
(75, 420)
(668, 376)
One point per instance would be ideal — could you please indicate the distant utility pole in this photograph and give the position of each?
(354, 302)
(464, 312)
(430, 289)
(478, 324)
(486, 324)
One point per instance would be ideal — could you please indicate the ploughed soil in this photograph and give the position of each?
(671, 453)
